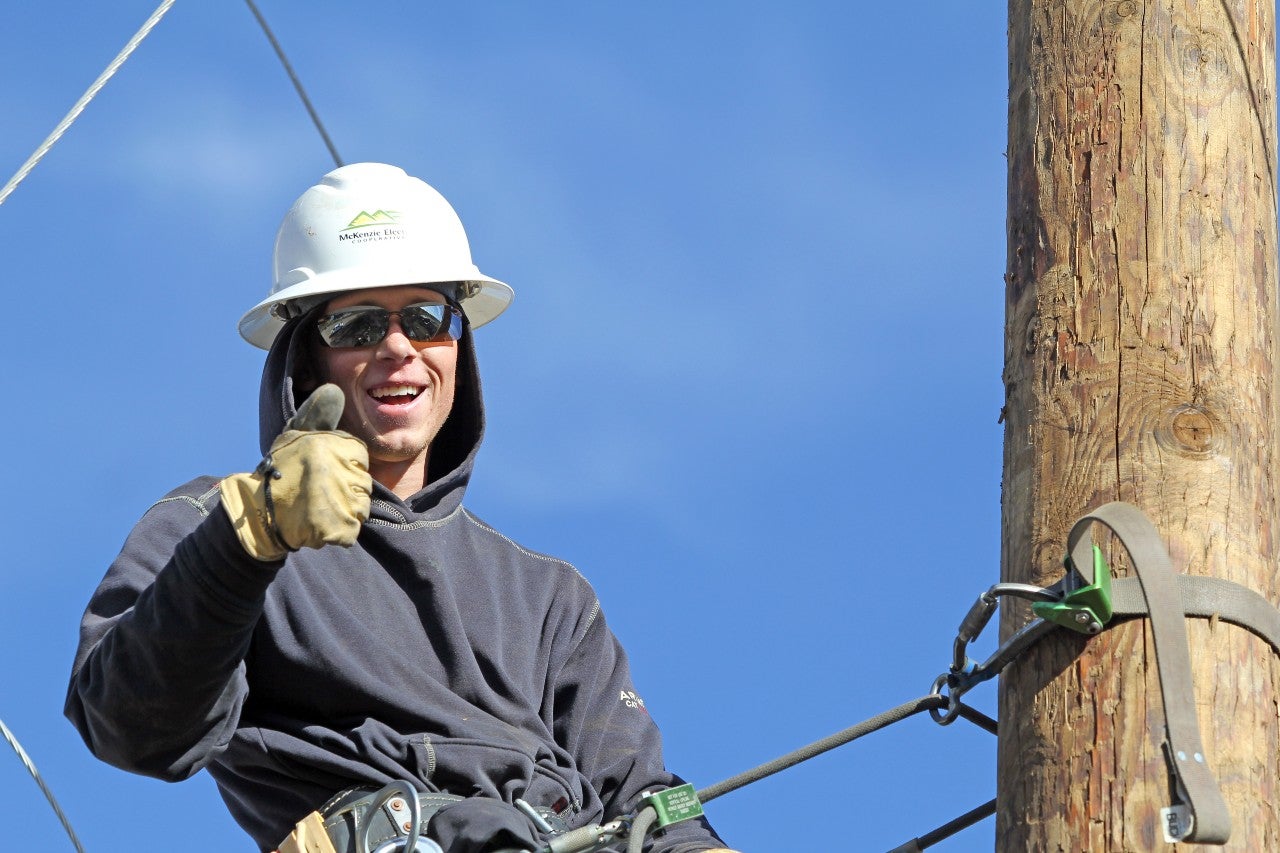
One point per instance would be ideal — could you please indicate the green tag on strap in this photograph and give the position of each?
(675, 804)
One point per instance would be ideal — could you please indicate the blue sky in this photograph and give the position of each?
(749, 384)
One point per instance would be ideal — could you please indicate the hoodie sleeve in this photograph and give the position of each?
(159, 676)
(603, 721)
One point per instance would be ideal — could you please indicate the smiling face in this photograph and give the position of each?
(399, 392)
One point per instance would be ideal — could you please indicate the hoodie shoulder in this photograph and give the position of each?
(552, 564)
(568, 589)
(199, 496)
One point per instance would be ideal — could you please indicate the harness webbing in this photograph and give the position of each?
(1163, 606)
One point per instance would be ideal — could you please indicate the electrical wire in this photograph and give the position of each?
(35, 774)
(26, 168)
(88, 96)
(297, 84)
(5, 192)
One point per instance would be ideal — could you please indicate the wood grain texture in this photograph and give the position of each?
(1140, 365)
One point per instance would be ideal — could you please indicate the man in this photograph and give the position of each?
(336, 622)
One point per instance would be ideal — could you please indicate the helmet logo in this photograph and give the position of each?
(369, 227)
(378, 217)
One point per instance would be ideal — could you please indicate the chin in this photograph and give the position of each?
(395, 453)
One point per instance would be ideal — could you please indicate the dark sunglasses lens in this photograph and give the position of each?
(423, 322)
(360, 327)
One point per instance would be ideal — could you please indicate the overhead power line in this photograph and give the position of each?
(297, 84)
(88, 96)
(35, 774)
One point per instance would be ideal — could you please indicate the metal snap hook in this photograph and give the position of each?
(953, 700)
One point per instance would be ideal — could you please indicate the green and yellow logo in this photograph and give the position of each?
(379, 217)
(373, 228)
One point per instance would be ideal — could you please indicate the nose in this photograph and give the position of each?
(395, 345)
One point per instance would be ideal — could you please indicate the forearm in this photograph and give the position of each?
(158, 682)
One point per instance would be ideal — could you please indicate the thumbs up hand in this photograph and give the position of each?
(311, 490)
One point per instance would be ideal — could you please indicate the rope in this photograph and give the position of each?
(978, 718)
(640, 828)
(35, 774)
(948, 829)
(89, 94)
(886, 718)
(297, 84)
(647, 816)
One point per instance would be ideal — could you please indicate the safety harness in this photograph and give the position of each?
(1087, 601)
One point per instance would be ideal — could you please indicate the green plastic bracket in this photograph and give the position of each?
(1086, 609)
(675, 804)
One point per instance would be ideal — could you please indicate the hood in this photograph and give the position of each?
(287, 379)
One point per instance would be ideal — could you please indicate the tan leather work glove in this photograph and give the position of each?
(311, 490)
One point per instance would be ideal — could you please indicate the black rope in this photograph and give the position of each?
(948, 829)
(978, 718)
(640, 824)
(297, 84)
(879, 721)
(645, 818)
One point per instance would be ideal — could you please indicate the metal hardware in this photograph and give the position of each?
(1087, 609)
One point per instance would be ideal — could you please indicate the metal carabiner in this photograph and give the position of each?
(980, 614)
(953, 700)
(966, 672)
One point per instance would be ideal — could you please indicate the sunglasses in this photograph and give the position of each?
(366, 325)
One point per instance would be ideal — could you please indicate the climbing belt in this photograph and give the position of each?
(1086, 601)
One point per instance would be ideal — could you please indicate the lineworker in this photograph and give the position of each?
(336, 620)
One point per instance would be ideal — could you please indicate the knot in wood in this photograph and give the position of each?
(1189, 431)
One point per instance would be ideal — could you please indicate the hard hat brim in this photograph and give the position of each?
(260, 325)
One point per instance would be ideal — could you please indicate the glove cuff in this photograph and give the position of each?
(246, 501)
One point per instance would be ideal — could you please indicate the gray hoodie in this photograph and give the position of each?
(435, 650)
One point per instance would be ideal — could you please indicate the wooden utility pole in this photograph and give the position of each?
(1140, 365)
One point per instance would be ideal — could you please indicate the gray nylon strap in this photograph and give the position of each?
(1206, 598)
(1211, 823)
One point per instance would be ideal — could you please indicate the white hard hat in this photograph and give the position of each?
(370, 225)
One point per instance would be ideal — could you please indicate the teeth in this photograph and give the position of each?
(395, 391)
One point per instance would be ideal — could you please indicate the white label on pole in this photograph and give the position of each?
(1176, 822)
